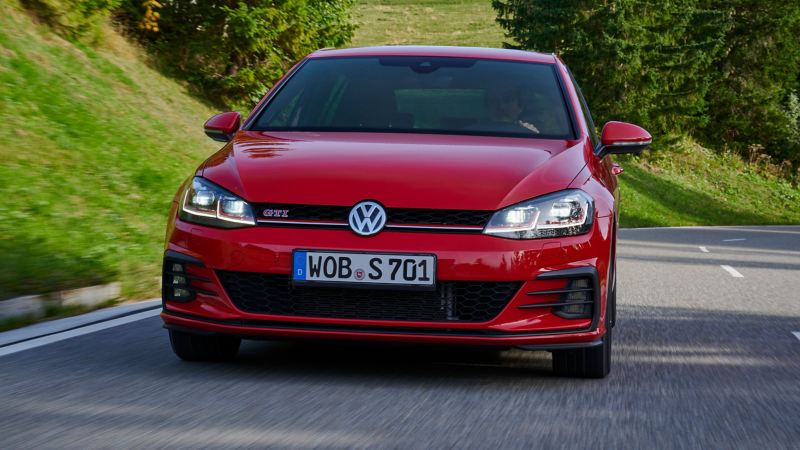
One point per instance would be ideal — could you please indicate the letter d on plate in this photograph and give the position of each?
(299, 266)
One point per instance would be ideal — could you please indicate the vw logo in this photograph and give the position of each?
(367, 218)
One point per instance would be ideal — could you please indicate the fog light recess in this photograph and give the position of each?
(577, 299)
(176, 282)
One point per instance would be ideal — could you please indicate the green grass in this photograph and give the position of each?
(685, 184)
(93, 145)
(427, 22)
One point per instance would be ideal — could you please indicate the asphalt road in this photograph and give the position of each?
(703, 359)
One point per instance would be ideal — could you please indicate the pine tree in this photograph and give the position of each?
(756, 72)
(645, 62)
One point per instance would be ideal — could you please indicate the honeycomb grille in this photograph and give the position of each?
(437, 217)
(452, 301)
(400, 216)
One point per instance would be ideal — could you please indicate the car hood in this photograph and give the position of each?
(397, 170)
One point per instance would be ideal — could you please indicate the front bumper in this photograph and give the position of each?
(538, 265)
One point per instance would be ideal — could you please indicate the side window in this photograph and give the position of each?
(585, 109)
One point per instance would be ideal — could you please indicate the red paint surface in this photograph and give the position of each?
(623, 132)
(401, 169)
(226, 123)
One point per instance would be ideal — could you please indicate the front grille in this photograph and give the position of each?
(399, 216)
(452, 301)
(437, 217)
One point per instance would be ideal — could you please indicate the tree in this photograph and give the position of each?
(233, 51)
(755, 75)
(645, 62)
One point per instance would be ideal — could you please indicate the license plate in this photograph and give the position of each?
(367, 269)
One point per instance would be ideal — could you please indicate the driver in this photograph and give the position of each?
(505, 107)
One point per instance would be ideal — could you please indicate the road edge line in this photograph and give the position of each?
(78, 326)
(80, 331)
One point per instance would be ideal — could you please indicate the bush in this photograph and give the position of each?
(637, 61)
(74, 19)
(792, 112)
(232, 52)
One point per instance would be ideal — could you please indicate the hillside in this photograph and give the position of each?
(427, 22)
(94, 144)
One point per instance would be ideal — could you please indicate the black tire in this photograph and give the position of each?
(593, 362)
(196, 347)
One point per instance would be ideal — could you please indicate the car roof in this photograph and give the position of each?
(438, 51)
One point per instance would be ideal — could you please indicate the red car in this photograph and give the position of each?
(404, 194)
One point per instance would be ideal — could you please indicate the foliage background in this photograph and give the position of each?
(233, 51)
(75, 19)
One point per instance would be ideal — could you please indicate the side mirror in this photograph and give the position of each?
(223, 126)
(621, 137)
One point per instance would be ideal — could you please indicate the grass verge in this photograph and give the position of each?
(685, 184)
(52, 312)
(94, 144)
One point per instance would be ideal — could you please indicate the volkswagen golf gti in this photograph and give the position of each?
(436, 195)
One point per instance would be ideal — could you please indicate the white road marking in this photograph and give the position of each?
(734, 273)
(733, 240)
(703, 249)
(44, 340)
(796, 334)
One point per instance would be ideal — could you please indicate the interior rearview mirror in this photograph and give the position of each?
(223, 126)
(622, 137)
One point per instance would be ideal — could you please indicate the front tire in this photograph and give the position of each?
(196, 347)
(593, 362)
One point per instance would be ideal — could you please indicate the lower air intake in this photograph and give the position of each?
(452, 301)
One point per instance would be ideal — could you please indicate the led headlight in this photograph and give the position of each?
(564, 213)
(208, 204)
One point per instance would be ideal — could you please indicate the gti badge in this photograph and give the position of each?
(367, 218)
(282, 213)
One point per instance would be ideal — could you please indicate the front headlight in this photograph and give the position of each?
(564, 213)
(206, 203)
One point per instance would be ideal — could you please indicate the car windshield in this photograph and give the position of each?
(420, 95)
